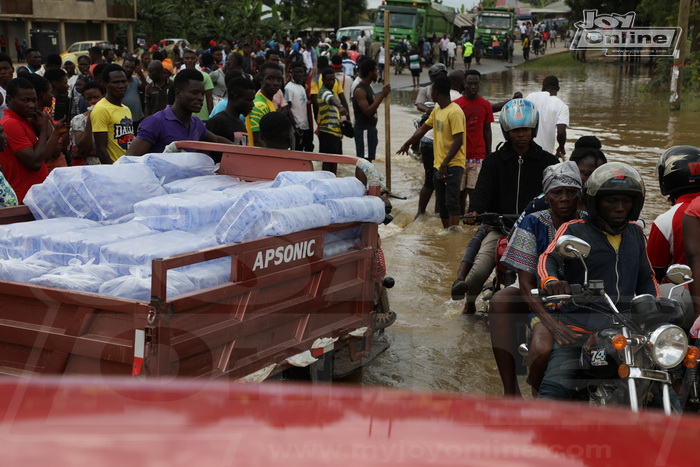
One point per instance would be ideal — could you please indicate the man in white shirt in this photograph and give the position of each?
(443, 49)
(554, 117)
(295, 95)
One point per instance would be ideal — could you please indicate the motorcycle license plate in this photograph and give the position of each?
(598, 357)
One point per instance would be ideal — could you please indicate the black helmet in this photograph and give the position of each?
(678, 170)
(613, 178)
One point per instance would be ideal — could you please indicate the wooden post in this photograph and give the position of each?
(679, 57)
(387, 101)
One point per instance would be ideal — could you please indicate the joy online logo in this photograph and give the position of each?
(616, 34)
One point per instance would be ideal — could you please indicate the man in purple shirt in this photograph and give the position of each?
(176, 122)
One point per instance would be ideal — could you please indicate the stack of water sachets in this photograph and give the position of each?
(99, 227)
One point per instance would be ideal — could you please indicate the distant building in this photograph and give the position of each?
(74, 20)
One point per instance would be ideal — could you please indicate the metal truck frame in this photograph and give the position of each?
(245, 328)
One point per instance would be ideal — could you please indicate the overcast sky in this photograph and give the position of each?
(468, 4)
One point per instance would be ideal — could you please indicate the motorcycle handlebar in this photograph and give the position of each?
(576, 290)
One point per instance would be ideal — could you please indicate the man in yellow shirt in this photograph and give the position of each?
(450, 147)
(111, 122)
(271, 82)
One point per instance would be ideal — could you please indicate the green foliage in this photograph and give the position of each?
(324, 13)
(662, 72)
(487, 3)
(215, 19)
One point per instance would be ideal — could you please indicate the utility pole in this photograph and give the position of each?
(340, 14)
(387, 102)
(679, 56)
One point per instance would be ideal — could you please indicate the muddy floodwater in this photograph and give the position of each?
(433, 346)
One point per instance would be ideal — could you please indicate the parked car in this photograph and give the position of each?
(169, 43)
(81, 48)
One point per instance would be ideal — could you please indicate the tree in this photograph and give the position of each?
(324, 13)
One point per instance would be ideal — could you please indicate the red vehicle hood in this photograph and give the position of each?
(74, 421)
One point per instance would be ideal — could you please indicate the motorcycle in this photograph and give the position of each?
(504, 276)
(628, 361)
(417, 123)
(398, 61)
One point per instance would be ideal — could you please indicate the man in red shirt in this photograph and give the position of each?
(479, 115)
(23, 162)
(678, 170)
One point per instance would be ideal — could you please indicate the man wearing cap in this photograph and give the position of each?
(530, 238)
(426, 143)
(554, 117)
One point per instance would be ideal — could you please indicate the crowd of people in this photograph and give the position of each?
(96, 108)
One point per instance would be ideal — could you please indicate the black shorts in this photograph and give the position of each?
(415, 73)
(468, 59)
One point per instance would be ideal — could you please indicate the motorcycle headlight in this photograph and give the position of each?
(668, 345)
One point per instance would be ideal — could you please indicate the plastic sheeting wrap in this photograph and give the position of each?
(77, 276)
(204, 182)
(141, 251)
(333, 188)
(137, 285)
(42, 204)
(172, 166)
(278, 222)
(183, 211)
(22, 270)
(112, 191)
(342, 241)
(85, 244)
(300, 178)
(236, 223)
(238, 190)
(23, 239)
(209, 274)
(359, 209)
(64, 185)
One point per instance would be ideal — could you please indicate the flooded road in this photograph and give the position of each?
(433, 347)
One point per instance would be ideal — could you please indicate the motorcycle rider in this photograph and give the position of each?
(677, 171)
(510, 177)
(614, 197)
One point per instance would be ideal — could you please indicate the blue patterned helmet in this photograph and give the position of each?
(519, 113)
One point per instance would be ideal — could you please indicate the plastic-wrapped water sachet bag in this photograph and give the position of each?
(333, 188)
(238, 190)
(22, 270)
(252, 204)
(141, 251)
(42, 204)
(278, 222)
(77, 276)
(137, 285)
(85, 244)
(358, 209)
(342, 241)
(183, 211)
(203, 182)
(172, 166)
(63, 185)
(210, 273)
(23, 239)
(112, 191)
(300, 178)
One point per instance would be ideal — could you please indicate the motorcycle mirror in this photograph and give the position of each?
(679, 273)
(569, 246)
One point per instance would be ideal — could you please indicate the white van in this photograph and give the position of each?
(353, 33)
